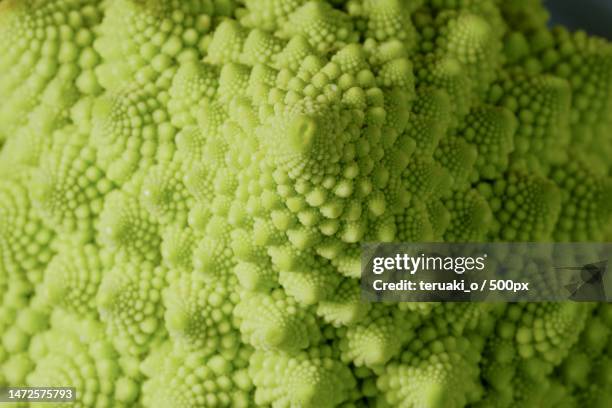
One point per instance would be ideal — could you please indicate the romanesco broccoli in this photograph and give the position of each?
(185, 185)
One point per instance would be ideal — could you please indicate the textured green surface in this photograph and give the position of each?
(184, 186)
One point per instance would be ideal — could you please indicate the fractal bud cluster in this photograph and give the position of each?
(185, 186)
